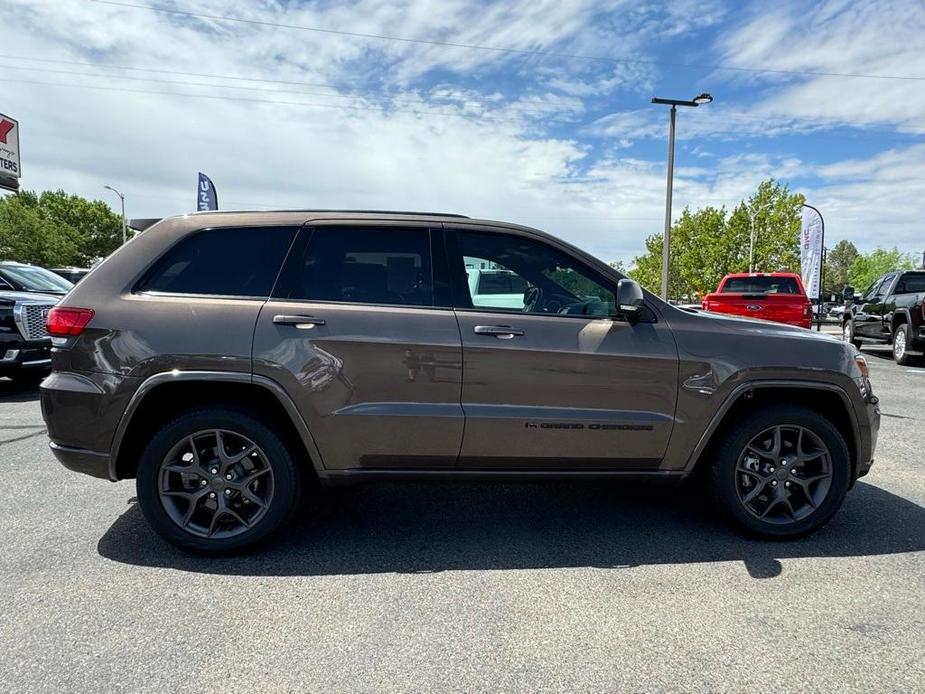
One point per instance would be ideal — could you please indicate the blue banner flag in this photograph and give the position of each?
(206, 197)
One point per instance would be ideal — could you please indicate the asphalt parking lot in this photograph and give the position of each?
(438, 587)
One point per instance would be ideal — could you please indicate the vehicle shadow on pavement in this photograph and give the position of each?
(11, 391)
(430, 527)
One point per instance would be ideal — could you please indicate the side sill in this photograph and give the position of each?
(359, 475)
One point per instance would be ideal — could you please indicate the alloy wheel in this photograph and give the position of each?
(215, 483)
(847, 331)
(783, 474)
(899, 344)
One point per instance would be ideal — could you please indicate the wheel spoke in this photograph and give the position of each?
(193, 504)
(775, 451)
(251, 497)
(754, 493)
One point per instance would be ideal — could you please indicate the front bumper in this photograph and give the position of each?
(872, 408)
(21, 356)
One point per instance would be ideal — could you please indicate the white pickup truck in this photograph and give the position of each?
(496, 288)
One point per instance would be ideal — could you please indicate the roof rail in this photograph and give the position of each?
(341, 211)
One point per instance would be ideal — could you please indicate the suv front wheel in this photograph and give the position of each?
(782, 472)
(217, 480)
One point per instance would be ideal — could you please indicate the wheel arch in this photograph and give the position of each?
(900, 316)
(164, 396)
(829, 400)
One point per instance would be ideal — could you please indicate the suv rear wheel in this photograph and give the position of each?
(782, 472)
(217, 480)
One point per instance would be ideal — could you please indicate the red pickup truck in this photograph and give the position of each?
(774, 296)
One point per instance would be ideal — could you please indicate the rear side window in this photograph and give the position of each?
(224, 262)
(911, 284)
(362, 265)
(761, 285)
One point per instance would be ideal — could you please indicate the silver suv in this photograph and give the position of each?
(231, 361)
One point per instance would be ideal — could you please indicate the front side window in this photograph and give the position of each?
(363, 265)
(511, 273)
(222, 262)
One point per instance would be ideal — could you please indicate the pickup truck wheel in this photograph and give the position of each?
(847, 331)
(901, 339)
(217, 481)
(782, 472)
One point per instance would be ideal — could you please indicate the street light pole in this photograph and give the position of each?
(666, 237)
(122, 200)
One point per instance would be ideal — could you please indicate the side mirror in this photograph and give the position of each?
(847, 293)
(629, 297)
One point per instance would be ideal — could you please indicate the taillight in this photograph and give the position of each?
(64, 321)
(808, 310)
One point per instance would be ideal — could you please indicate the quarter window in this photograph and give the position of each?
(241, 261)
(363, 265)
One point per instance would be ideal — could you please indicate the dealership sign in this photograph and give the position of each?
(10, 170)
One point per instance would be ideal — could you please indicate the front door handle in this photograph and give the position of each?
(502, 332)
(301, 322)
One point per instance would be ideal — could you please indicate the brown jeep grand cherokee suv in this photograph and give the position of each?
(229, 360)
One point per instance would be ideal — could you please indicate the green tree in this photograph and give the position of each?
(868, 267)
(55, 228)
(838, 263)
(707, 244)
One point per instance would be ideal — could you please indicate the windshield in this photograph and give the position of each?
(761, 285)
(35, 279)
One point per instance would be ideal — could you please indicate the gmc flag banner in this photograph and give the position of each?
(206, 197)
(812, 234)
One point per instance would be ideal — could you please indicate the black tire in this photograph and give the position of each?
(286, 479)
(848, 333)
(901, 352)
(728, 476)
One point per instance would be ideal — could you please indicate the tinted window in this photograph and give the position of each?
(547, 281)
(370, 266)
(224, 262)
(911, 284)
(761, 285)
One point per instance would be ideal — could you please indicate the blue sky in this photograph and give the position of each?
(555, 130)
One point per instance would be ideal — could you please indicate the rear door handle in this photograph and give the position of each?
(502, 332)
(301, 322)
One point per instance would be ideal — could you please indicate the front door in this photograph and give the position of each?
(353, 332)
(868, 320)
(559, 380)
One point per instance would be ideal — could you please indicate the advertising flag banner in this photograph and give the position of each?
(206, 197)
(10, 169)
(811, 238)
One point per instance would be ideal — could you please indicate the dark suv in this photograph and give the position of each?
(890, 311)
(231, 362)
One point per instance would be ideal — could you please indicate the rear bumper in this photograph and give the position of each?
(90, 463)
(873, 418)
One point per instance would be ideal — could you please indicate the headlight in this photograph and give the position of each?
(864, 381)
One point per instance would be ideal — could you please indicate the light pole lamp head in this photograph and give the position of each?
(701, 99)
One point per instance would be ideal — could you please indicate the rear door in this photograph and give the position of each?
(557, 382)
(357, 334)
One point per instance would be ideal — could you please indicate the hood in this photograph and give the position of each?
(757, 326)
(41, 297)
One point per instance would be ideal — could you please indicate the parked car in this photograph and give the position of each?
(890, 311)
(346, 346)
(25, 349)
(71, 274)
(773, 296)
(19, 277)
